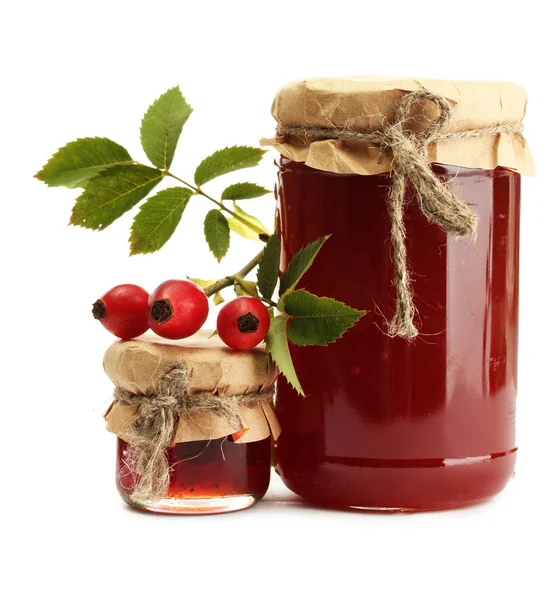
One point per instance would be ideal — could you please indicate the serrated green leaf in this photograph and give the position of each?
(162, 126)
(216, 230)
(243, 287)
(218, 299)
(300, 264)
(278, 347)
(157, 220)
(226, 161)
(268, 267)
(317, 321)
(244, 191)
(76, 163)
(241, 226)
(113, 192)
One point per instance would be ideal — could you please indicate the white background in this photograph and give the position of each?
(72, 69)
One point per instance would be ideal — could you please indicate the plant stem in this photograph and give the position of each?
(229, 280)
(220, 284)
(222, 206)
(192, 187)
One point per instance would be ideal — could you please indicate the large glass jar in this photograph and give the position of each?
(389, 423)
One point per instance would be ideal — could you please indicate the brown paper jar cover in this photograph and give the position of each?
(137, 365)
(365, 103)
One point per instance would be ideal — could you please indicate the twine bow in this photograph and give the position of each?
(153, 429)
(411, 166)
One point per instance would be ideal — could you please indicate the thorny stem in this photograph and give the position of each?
(200, 192)
(230, 280)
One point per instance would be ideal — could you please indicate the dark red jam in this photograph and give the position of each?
(206, 470)
(388, 423)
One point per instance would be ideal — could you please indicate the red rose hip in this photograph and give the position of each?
(123, 311)
(177, 309)
(243, 323)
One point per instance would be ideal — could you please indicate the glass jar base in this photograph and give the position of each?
(405, 509)
(377, 486)
(206, 477)
(197, 506)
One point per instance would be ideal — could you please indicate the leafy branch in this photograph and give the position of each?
(113, 183)
(308, 319)
(249, 224)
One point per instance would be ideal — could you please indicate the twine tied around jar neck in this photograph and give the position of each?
(411, 166)
(154, 427)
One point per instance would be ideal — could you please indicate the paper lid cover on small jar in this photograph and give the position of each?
(136, 366)
(306, 111)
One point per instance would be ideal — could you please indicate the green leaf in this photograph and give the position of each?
(243, 287)
(203, 283)
(157, 220)
(244, 191)
(300, 264)
(216, 230)
(113, 192)
(317, 321)
(268, 267)
(76, 163)
(226, 161)
(218, 299)
(241, 228)
(278, 347)
(162, 126)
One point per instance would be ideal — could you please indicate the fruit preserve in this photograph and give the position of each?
(389, 423)
(194, 423)
(208, 476)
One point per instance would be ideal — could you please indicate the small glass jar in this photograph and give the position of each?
(218, 461)
(390, 423)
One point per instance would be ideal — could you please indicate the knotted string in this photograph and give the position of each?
(411, 166)
(155, 425)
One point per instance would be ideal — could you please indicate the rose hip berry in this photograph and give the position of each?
(243, 323)
(123, 310)
(177, 309)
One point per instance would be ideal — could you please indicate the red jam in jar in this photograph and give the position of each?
(208, 476)
(388, 423)
(199, 423)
